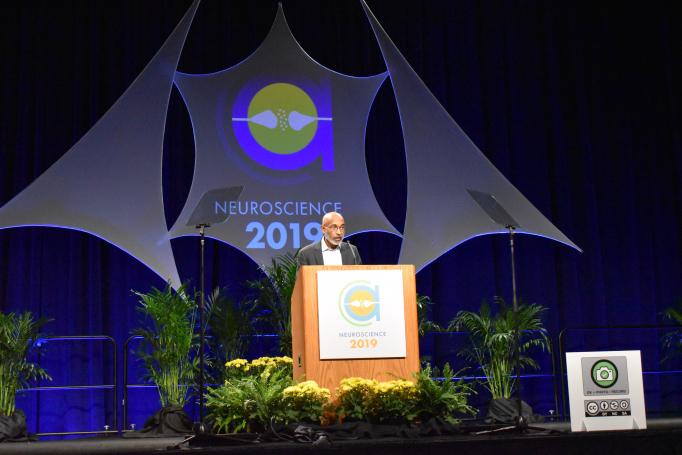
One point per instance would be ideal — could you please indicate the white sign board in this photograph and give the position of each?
(605, 390)
(361, 314)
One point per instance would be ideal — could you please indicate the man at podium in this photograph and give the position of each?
(331, 250)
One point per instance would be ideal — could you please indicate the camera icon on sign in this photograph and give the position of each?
(605, 374)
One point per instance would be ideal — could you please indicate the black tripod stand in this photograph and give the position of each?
(207, 212)
(520, 422)
(500, 216)
(202, 322)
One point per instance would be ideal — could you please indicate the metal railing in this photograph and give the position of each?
(125, 385)
(113, 386)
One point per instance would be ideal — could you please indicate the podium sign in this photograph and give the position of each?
(354, 320)
(361, 314)
(605, 390)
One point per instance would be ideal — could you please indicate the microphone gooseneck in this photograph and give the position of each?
(352, 250)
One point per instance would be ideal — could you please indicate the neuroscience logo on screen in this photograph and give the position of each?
(604, 373)
(284, 127)
(359, 303)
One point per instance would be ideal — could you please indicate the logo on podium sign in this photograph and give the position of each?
(361, 314)
(359, 303)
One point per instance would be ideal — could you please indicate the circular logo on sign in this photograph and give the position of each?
(284, 126)
(604, 373)
(359, 303)
(592, 407)
(282, 118)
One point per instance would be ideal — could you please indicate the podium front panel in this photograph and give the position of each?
(361, 314)
(308, 364)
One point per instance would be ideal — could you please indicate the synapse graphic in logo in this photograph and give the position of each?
(359, 303)
(604, 373)
(281, 127)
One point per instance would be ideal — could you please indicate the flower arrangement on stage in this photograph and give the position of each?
(378, 402)
(240, 368)
(305, 402)
(261, 393)
(400, 401)
(264, 363)
(251, 399)
(352, 396)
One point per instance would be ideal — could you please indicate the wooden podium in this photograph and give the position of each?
(306, 336)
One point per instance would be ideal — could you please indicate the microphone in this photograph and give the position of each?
(352, 250)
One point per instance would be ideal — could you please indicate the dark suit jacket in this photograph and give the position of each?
(312, 254)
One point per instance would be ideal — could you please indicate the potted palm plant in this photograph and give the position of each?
(425, 325)
(230, 327)
(492, 343)
(273, 297)
(672, 341)
(19, 336)
(168, 350)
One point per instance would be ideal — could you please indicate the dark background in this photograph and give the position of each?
(578, 104)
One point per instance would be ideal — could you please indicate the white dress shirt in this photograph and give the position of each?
(331, 256)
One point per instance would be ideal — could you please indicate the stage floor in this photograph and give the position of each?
(664, 436)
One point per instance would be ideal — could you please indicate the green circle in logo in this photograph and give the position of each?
(604, 373)
(282, 118)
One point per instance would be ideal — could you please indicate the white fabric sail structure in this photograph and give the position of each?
(443, 167)
(235, 112)
(289, 134)
(109, 183)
